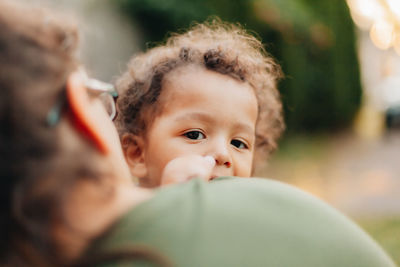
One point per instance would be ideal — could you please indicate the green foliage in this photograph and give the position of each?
(312, 40)
(386, 231)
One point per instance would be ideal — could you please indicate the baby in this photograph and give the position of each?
(204, 105)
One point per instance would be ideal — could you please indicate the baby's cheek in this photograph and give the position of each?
(244, 167)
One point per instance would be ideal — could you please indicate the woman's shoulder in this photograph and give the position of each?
(244, 222)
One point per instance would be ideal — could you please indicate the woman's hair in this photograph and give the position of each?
(222, 47)
(37, 54)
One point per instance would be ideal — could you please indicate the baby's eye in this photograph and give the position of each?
(239, 144)
(194, 135)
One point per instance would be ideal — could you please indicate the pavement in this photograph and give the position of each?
(360, 177)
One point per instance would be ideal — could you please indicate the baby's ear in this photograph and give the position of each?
(133, 147)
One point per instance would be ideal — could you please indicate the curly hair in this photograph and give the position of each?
(218, 46)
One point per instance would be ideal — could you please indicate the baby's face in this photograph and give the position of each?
(204, 113)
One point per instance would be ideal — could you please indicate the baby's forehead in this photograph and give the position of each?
(178, 80)
(207, 90)
(197, 81)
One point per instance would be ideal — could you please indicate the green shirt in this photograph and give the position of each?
(242, 222)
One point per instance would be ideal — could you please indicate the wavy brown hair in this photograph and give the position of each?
(37, 54)
(41, 164)
(218, 46)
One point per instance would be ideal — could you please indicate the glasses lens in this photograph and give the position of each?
(109, 104)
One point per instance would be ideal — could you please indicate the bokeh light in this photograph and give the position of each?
(382, 33)
(381, 18)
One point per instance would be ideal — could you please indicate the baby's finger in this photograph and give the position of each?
(188, 167)
(209, 161)
(205, 170)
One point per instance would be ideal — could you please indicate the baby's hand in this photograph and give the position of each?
(185, 168)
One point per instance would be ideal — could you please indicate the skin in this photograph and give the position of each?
(89, 198)
(204, 115)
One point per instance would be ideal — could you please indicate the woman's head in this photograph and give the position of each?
(42, 162)
(214, 46)
(36, 59)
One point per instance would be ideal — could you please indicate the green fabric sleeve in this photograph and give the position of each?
(242, 222)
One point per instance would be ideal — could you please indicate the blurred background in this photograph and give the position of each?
(341, 90)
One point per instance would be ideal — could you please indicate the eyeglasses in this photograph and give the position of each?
(106, 93)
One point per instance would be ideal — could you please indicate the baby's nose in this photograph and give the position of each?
(222, 156)
(222, 161)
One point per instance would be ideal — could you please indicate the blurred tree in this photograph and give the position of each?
(313, 41)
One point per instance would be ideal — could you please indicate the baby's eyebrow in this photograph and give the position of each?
(196, 116)
(245, 128)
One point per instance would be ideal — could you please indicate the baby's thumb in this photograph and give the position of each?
(209, 162)
(207, 168)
